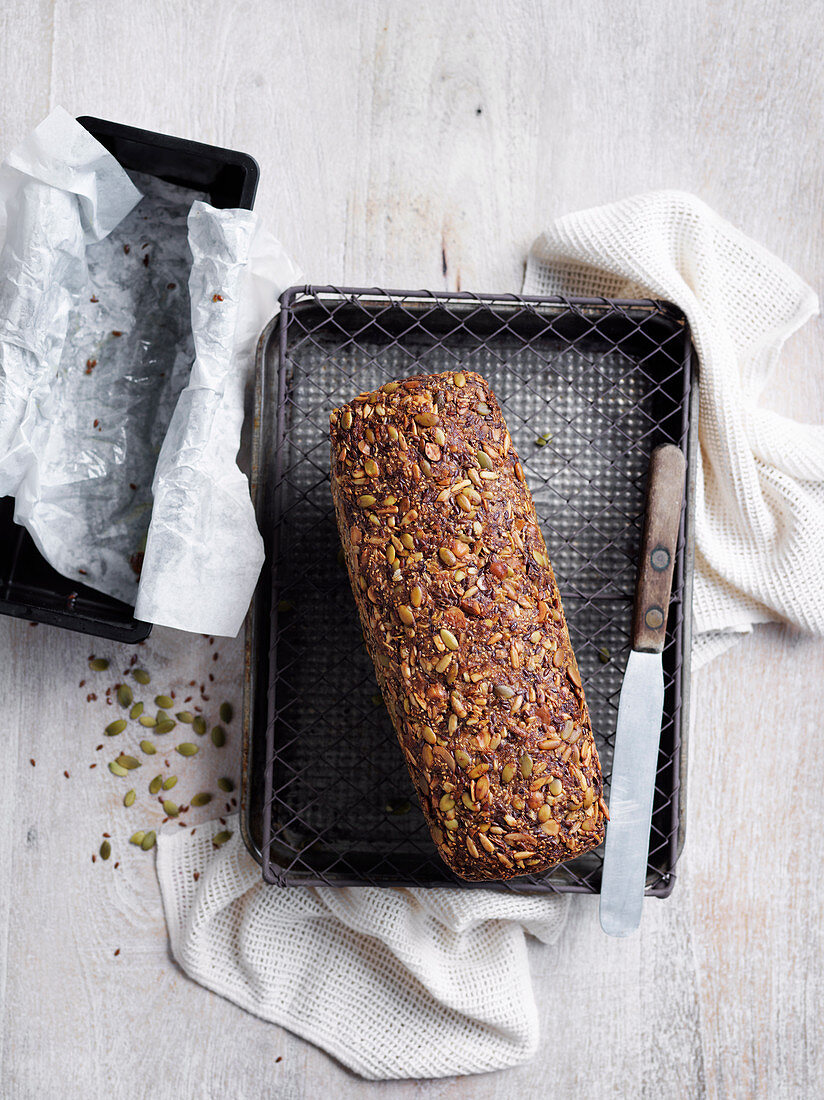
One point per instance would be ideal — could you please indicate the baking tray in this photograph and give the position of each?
(588, 388)
(29, 587)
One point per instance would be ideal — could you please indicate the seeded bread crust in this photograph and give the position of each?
(463, 620)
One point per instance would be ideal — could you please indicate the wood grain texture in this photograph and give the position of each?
(428, 145)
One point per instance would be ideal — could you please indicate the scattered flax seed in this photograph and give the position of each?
(32, 762)
(217, 297)
(195, 874)
(117, 952)
(90, 365)
(116, 332)
(67, 775)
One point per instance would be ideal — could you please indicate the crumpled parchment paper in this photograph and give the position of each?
(129, 310)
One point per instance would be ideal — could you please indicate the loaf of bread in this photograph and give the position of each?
(464, 624)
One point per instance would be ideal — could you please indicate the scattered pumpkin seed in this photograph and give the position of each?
(186, 748)
(218, 736)
(141, 676)
(117, 769)
(129, 797)
(147, 721)
(169, 783)
(164, 701)
(285, 606)
(398, 806)
(105, 850)
(161, 716)
(226, 785)
(98, 664)
(184, 716)
(165, 725)
(202, 799)
(199, 725)
(170, 808)
(377, 699)
(154, 786)
(137, 838)
(604, 655)
(136, 710)
(128, 762)
(148, 747)
(125, 695)
(219, 839)
(148, 841)
(542, 440)
(115, 727)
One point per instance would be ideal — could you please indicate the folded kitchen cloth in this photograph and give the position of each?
(760, 480)
(427, 983)
(394, 983)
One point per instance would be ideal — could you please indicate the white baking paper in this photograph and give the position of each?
(204, 552)
(123, 316)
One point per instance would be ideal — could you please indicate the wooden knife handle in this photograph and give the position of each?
(665, 492)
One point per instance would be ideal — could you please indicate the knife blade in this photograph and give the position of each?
(641, 704)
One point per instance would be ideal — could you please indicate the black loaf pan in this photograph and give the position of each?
(29, 587)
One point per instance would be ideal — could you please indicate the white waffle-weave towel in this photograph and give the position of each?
(394, 983)
(760, 485)
(427, 983)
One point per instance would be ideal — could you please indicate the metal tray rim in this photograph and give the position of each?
(589, 307)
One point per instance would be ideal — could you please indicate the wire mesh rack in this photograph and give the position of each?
(588, 388)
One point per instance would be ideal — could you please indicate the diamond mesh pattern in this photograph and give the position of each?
(587, 389)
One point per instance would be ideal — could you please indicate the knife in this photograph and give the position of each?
(635, 759)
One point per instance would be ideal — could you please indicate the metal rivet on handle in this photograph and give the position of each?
(659, 559)
(654, 618)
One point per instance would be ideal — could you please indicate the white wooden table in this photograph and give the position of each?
(427, 144)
